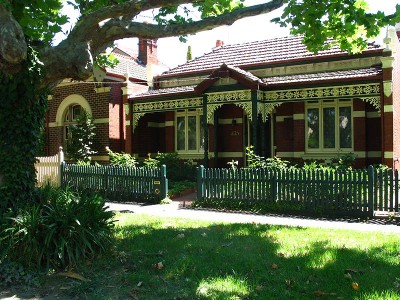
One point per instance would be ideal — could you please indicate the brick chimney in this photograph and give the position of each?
(148, 51)
(219, 43)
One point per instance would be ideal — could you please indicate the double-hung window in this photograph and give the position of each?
(329, 125)
(189, 132)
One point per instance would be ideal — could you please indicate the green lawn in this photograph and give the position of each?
(156, 258)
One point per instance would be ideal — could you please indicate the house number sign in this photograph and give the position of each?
(234, 133)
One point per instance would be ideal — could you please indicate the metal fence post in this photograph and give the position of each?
(371, 185)
(62, 171)
(200, 182)
(164, 182)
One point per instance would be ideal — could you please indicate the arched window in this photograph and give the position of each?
(71, 117)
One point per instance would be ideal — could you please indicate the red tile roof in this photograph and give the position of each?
(322, 76)
(128, 63)
(255, 53)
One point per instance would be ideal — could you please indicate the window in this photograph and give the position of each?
(189, 132)
(329, 125)
(71, 116)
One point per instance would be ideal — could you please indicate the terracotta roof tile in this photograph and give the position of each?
(128, 63)
(252, 53)
(321, 76)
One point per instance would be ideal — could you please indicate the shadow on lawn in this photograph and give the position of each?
(236, 261)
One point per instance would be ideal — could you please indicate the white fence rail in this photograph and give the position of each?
(48, 169)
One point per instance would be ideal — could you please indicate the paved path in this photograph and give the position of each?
(176, 209)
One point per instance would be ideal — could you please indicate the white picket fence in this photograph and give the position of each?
(48, 169)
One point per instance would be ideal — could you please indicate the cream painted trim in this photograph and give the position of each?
(230, 154)
(374, 154)
(127, 123)
(71, 99)
(101, 157)
(282, 118)
(125, 90)
(388, 108)
(49, 97)
(161, 124)
(96, 121)
(101, 121)
(229, 121)
(387, 62)
(103, 89)
(290, 154)
(373, 114)
(298, 116)
(155, 125)
(358, 114)
(388, 154)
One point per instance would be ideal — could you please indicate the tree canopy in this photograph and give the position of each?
(103, 21)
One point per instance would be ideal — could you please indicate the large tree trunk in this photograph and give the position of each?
(22, 109)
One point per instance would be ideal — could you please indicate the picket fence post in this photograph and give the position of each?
(200, 182)
(164, 182)
(61, 163)
(371, 184)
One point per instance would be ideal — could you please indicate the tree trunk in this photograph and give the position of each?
(22, 109)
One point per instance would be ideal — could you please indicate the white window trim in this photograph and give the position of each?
(188, 113)
(320, 105)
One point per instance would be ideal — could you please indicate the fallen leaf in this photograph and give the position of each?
(354, 285)
(280, 254)
(73, 275)
(158, 266)
(139, 284)
(204, 234)
(274, 266)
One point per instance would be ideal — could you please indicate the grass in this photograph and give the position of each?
(160, 258)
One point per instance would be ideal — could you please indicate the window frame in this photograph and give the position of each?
(72, 120)
(320, 105)
(186, 113)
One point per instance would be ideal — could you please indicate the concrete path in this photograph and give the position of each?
(176, 209)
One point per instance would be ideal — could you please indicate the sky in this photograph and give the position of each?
(172, 52)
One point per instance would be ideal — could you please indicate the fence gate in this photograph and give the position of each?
(48, 169)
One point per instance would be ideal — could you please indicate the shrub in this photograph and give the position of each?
(177, 169)
(60, 230)
(255, 161)
(122, 159)
(80, 143)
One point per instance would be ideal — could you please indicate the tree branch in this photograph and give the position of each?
(126, 10)
(72, 58)
(119, 28)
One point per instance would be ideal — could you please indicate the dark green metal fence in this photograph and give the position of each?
(117, 183)
(357, 192)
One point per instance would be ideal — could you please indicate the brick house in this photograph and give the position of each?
(103, 96)
(277, 96)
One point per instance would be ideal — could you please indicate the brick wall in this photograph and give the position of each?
(99, 104)
(396, 106)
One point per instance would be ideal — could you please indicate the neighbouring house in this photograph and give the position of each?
(103, 96)
(277, 96)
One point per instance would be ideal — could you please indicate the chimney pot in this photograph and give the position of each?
(219, 43)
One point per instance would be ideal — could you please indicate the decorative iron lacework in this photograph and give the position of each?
(226, 97)
(167, 104)
(375, 101)
(359, 91)
(266, 109)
